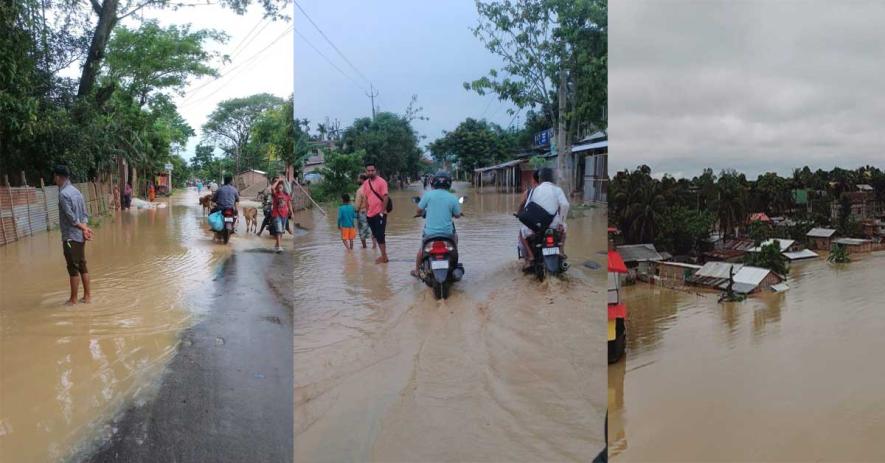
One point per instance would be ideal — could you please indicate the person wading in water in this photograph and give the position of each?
(375, 190)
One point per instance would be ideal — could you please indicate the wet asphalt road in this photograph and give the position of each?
(227, 394)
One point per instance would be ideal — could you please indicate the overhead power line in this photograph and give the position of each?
(330, 43)
(249, 60)
(348, 76)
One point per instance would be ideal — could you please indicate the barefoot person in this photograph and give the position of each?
(375, 189)
(347, 221)
(74, 233)
(280, 212)
(361, 206)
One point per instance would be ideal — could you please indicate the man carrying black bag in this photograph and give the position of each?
(545, 206)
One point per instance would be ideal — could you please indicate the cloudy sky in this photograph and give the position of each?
(261, 52)
(754, 85)
(405, 48)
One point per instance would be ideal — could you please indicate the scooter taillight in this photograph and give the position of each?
(439, 247)
(228, 212)
(549, 241)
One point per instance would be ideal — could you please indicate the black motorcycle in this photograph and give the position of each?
(547, 251)
(439, 262)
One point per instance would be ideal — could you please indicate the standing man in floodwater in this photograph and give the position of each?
(375, 189)
(74, 233)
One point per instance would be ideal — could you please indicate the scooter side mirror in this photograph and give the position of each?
(461, 199)
(416, 199)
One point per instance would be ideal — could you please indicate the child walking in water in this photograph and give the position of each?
(346, 221)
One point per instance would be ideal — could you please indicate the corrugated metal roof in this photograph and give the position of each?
(751, 275)
(851, 241)
(803, 254)
(717, 270)
(784, 244)
(821, 232)
(780, 287)
(740, 288)
(589, 146)
(639, 253)
(500, 166)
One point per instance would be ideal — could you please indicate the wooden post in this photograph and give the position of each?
(11, 206)
(45, 204)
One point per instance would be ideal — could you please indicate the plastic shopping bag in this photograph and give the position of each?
(216, 221)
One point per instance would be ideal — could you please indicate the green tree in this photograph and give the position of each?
(759, 232)
(274, 136)
(683, 231)
(389, 141)
(472, 144)
(340, 174)
(770, 257)
(555, 55)
(230, 126)
(838, 254)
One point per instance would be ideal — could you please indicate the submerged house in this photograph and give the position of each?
(674, 272)
(820, 238)
(639, 258)
(855, 245)
(747, 279)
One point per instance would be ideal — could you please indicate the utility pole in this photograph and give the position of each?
(372, 94)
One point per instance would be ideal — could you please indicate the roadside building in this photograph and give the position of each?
(820, 238)
(592, 175)
(506, 177)
(251, 182)
(639, 259)
(855, 245)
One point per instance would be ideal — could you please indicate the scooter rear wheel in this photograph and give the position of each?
(225, 235)
(441, 290)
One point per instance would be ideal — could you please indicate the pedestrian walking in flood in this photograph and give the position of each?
(280, 212)
(347, 221)
(127, 196)
(361, 207)
(375, 190)
(74, 233)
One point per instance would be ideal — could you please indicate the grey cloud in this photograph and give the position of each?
(757, 86)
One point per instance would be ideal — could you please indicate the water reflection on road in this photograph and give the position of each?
(506, 369)
(780, 377)
(65, 371)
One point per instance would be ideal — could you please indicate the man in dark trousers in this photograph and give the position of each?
(75, 232)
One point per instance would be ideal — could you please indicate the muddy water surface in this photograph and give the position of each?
(65, 371)
(506, 369)
(796, 376)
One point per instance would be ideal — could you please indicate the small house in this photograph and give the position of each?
(820, 238)
(749, 280)
(855, 245)
(800, 255)
(786, 245)
(638, 258)
(674, 272)
(713, 274)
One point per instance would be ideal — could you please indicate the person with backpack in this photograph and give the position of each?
(544, 202)
(378, 206)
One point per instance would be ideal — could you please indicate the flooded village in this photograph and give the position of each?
(763, 317)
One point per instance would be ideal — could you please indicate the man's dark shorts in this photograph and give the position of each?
(75, 256)
(378, 224)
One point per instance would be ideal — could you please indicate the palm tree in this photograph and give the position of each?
(644, 212)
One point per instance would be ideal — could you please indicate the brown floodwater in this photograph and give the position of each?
(796, 376)
(506, 369)
(65, 371)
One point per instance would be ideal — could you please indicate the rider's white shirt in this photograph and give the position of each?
(553, 200)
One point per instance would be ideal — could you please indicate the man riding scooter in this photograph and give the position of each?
(438, 207)
(226, 197)
(552, 199)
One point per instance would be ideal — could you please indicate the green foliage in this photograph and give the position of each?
(769, 257)
(541, 41)
(683, 231)
(230, 127)
(274, 137)
(389, 141)
(537, 162)
(838, 254)
(759, 232)
(339, 174)
(473, 144)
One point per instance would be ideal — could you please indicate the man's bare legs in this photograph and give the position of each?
(383, 259)
(529, 255)
(75, 287)
(87, 294)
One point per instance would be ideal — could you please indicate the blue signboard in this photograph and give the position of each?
(543, 138)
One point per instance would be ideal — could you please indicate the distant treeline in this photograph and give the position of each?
(678, 215)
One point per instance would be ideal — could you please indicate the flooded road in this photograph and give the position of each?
(506, 369)
(796, 376)
(67, 372)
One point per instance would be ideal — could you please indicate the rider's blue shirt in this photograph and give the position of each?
(440, 206)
